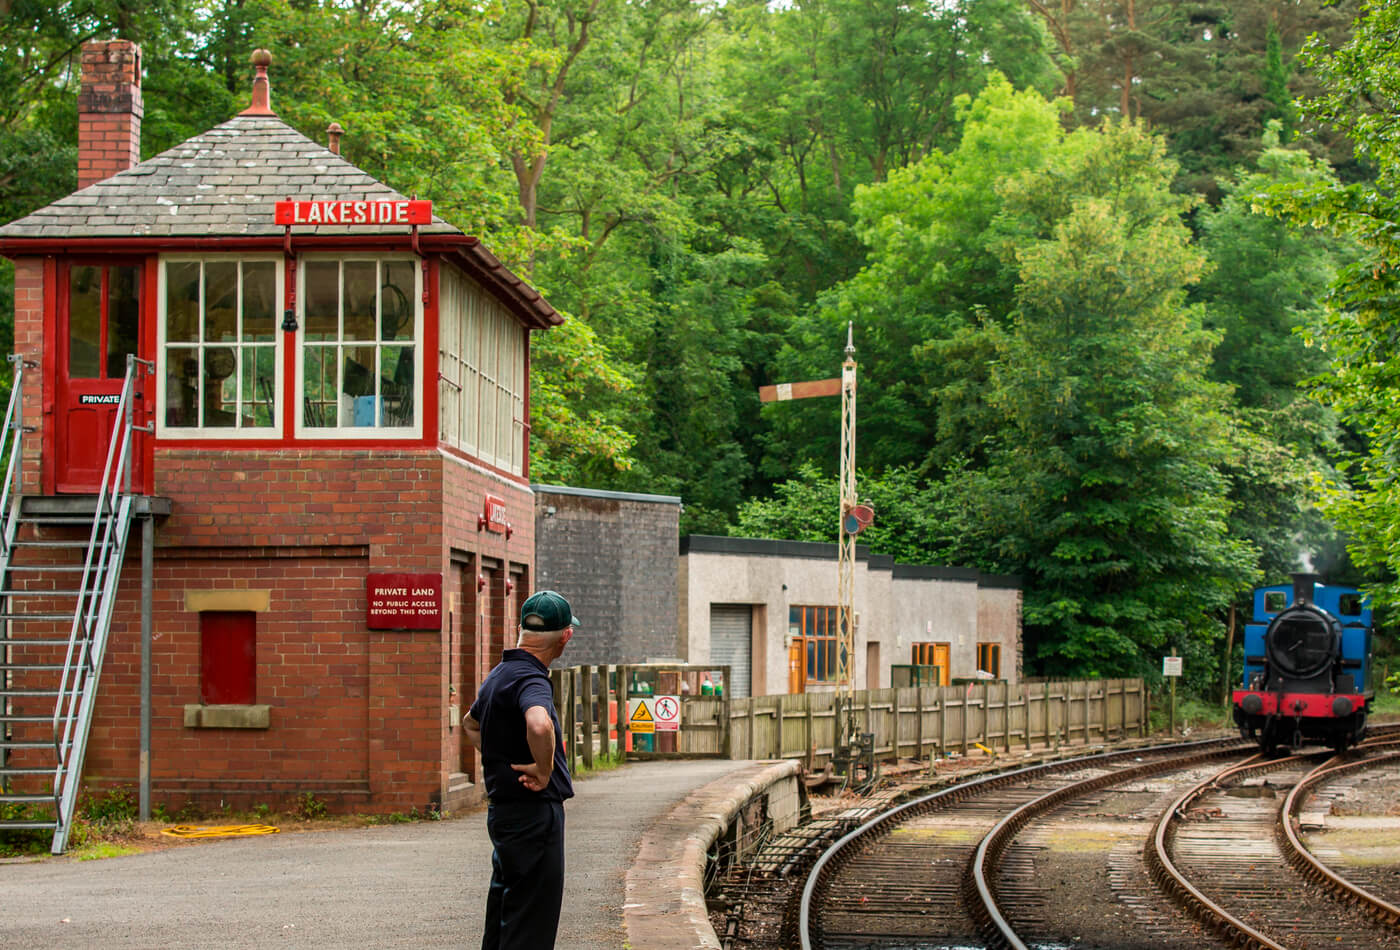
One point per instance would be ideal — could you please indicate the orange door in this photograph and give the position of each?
(940, 659)
(99, 324)
(797, 666)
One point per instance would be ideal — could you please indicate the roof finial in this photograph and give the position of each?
(333, 134)
(262, 92)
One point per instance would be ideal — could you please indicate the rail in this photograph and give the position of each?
(1307, 864)
(1171, 880)
(809, 929)
(982, 895)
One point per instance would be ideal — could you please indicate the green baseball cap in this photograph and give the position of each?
(546, 610)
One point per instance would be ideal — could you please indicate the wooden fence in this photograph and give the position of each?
(905, 722)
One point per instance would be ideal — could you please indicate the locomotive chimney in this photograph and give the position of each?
(1303, 588)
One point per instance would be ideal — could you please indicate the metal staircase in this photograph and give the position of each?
(60, 563)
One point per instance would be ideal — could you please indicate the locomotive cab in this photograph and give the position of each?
(1305, 666)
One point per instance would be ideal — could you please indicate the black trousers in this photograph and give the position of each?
(527, 875)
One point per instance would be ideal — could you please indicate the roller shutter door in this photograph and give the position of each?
(731, 642)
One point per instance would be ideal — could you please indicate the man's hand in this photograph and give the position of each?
(532, 777)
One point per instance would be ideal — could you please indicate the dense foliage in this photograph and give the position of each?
(1082, 348)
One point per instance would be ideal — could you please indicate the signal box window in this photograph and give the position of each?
(481, 374)
(227, 657)
(814, 630)
(359, 346)
(218, 339)
(989, 658)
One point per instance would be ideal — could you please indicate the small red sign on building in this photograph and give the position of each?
(404, 601)
(493, 515)
(352, 211)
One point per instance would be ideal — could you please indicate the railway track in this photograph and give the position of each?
(904, 876)
(963, 866)
(1231, 871)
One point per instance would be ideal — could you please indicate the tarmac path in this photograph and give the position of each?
(420, 885)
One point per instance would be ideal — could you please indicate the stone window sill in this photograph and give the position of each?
(227, 717)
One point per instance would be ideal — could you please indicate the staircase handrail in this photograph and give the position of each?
(93, 604)
(12, 441)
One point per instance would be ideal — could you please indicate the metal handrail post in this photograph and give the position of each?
(91, 607)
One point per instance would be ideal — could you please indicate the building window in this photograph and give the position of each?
(815, 629)
(481, 368)
(989, 659)
(218, 347)
(227, 657)
(925, 654)
(361, 320)
(933, 654)
(104, 320)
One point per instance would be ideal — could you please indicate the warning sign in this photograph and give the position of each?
(668, 713)
(640, 717)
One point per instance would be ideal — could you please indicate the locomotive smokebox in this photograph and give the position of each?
(1303, 588)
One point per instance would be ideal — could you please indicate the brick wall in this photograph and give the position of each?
(109, 110)
(362, 719)
(30, 273)
(615, 558)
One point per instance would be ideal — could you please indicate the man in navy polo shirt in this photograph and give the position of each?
(514, 724)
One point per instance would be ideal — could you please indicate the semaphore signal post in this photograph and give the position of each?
(853, 517)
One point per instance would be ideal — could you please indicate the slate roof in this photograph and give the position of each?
(219, 184)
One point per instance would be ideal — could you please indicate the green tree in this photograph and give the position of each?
(1265, 288)
(933, 278)
(1360, 89)
(1107, 490)
(915, 523)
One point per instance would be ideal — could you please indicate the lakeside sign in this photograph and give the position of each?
(404, 601)
(350, 212)
(493, 515)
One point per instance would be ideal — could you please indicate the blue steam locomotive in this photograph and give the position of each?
(1307, 655)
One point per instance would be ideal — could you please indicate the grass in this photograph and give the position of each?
(97, 850)
(1192, 714)
(1385, 702)
(602, 762)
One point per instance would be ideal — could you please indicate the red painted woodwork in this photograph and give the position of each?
(228, 657)
(99, 323)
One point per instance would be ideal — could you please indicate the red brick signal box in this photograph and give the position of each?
(334, 486)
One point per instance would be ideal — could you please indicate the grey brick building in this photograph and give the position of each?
(614, 556)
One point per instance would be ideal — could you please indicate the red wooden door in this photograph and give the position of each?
(99, 323)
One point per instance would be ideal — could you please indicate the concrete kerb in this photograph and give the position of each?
(664, 898)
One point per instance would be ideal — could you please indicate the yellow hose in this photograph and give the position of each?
(219, 831)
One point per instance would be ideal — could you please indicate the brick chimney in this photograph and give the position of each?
(109, 110)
